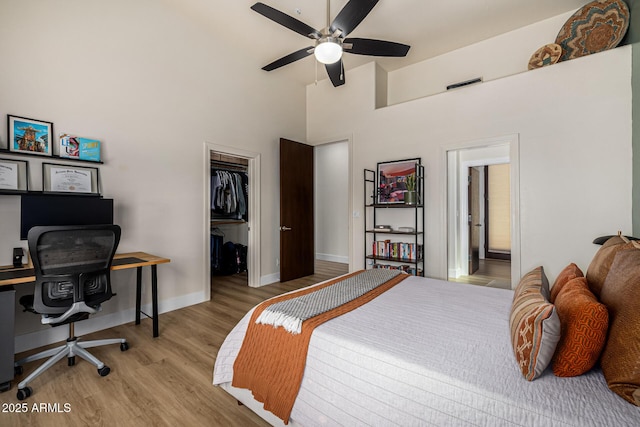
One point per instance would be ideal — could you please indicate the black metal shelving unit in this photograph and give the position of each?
(416, 265)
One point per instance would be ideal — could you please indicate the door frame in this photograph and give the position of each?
(253, 242)
(452, 233)
(350, 212)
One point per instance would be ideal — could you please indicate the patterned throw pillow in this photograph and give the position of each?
(534, 325)
(601, 263)
(570, 272)
(583, 324)
(621, 355)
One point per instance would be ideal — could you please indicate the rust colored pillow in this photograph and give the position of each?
(621, 355)
(534, 325)
(601, 263)
(583, 325)
(570, 272)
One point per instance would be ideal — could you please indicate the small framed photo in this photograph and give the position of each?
(30, 136)
(70, 179)
(395, 179)
(14, 175)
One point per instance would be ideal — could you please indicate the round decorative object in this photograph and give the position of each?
(597, 26)
(546, 55)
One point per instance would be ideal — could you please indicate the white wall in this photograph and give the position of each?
(574, 125)
(494, 58)
(332, 201)
(153, 85)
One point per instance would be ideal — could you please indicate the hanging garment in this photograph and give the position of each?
(229, 194)
(216, 253)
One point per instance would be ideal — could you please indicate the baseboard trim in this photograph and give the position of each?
(333, 258)
(455, 272)
(98, 323)
(269, 279)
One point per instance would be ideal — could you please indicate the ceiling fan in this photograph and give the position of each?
(330, 42)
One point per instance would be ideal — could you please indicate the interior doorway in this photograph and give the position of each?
(232, 220)
(482, 218)
(332, 201)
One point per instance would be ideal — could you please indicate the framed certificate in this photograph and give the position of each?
(69, 179)
(14, 175)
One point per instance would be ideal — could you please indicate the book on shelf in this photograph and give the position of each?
(406, 268)
(75, 147)
(400, 250)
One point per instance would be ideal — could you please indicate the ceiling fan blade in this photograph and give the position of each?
(351, 15)
(374, 47)
(292, 57)
(336, 73)
(285, 20)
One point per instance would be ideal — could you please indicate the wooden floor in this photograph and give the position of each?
(492, 272)
(164, 381)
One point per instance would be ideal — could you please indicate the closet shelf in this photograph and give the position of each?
(216, 222)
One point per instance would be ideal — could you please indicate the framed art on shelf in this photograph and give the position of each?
(14, 175)
(395, 179)
(29, 136)
(69, 179)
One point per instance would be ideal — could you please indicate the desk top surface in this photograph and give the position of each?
(135, 259)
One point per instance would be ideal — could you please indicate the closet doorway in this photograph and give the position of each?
(231, 212)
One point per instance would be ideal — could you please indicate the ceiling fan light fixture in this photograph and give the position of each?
(328, 50)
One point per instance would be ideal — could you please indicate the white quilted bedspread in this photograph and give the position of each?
(433, 353)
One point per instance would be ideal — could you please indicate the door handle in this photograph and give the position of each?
(284, 228)
(477, 225)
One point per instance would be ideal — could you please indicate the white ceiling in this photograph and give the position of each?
(429, 27)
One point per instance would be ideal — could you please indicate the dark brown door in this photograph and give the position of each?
(297, 247)
(474, 220)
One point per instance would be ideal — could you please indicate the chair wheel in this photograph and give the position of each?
(104, 371)
(18, 370)
(71, 361)
(124, 346)
(23, 393)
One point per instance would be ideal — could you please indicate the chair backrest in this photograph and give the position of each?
(72, 266)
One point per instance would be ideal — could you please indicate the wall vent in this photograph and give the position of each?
(465, 83)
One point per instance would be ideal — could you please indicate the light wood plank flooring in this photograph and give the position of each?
(166, 381)
(492, 272)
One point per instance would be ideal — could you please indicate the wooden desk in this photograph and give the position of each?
(15, 276)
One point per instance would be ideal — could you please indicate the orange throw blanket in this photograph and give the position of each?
(271, 360)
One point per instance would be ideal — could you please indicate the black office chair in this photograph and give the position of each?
(72, 267)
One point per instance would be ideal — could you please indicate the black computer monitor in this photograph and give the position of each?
(63, 210)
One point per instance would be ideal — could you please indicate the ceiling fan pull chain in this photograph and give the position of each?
(316, 62)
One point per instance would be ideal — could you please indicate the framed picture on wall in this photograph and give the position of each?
(14, 175)
(69, 179)
(395, 178)
(29, 136)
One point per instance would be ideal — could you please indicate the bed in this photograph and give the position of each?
(429, 352)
